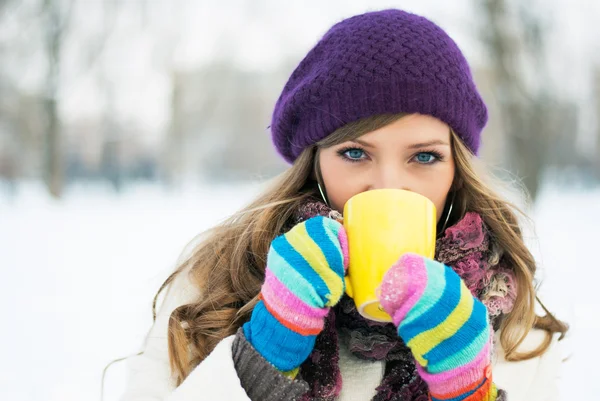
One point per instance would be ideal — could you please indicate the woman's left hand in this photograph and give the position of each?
(444, 325)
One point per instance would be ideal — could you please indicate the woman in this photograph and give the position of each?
(384, 100)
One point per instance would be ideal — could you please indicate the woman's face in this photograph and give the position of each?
(412, 153)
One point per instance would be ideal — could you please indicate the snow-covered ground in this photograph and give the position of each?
(78, 277)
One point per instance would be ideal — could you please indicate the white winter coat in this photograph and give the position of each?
(216, 379)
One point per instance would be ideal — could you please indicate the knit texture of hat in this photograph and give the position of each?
(382, 62)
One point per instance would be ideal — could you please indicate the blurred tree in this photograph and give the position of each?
(219, 124)
(220, 113)
(39, 131)
(596, 153)
(55, 23)
(111, 132)
(534, 123)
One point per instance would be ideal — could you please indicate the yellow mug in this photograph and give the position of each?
(382, 225)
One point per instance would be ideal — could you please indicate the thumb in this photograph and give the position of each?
(402, 286)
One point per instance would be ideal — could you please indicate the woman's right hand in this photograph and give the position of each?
(304, 278)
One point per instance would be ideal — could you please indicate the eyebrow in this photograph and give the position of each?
(364, 143)
(429, 143)
(413, 146)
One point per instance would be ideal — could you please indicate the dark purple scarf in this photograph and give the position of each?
(466, 248)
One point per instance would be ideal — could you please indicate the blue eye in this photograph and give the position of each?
(426, 158)
(353, 154)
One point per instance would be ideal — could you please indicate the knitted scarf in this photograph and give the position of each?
(466, 247)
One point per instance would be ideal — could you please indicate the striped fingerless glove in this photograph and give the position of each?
(304, 277)
(444, 325)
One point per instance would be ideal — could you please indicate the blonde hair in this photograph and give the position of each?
(228, 266)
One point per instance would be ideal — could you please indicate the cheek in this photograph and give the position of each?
(340, 180)
(436, 188)
(444, 182)
(439, 195)
(439, 206)
(340, 188)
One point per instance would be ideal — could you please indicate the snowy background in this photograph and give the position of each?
(80, 274)
(129, 127)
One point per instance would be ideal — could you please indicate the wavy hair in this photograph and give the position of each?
(228, 266)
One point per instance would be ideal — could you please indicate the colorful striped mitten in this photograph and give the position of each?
(446, 328)
(303, 279)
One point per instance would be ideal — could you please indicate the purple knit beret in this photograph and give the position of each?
(382, 62)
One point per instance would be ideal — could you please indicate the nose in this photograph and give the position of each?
(390, 176)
